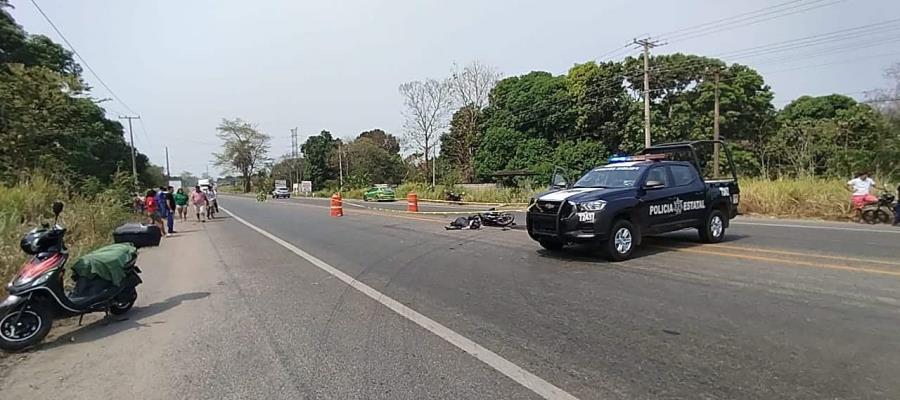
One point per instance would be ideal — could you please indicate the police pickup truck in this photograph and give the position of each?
(615, 205)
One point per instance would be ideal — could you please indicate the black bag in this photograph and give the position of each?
(141, 235)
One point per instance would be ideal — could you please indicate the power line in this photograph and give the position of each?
(732, 24)
(83, 61)
(726, 19)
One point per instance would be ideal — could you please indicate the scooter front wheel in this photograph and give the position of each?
(24, 327)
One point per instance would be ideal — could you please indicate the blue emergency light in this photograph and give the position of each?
(642, 157)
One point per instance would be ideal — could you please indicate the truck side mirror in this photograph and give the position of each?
(558, 181)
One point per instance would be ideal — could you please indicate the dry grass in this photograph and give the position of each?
(818, 198)
(90, 221)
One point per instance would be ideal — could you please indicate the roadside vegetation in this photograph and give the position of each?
(56, 143)
(89, 217)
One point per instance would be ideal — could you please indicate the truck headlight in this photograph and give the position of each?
(596, 205)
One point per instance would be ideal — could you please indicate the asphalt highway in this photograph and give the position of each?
(278, 300)
(783, 309)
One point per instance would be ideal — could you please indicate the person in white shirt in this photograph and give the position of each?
(212, 208)
(861, 187)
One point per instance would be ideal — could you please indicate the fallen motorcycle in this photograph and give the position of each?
(105, 281)
(496, 218)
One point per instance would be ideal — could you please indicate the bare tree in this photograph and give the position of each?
(471, 89)
(244, 150)
(427, 110)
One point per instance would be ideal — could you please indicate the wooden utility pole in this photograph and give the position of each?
(716, 130)
(294, 154)
(168, 172)
(131, 138)
(647, 44)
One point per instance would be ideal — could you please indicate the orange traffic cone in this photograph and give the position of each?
(412, 202)
(337, 205)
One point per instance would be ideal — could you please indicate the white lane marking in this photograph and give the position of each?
(837, 228)
(531, 381)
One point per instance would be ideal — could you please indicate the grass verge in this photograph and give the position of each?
(89, 220)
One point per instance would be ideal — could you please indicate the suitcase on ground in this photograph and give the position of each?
(141, 235)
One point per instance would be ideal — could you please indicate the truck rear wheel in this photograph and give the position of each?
(713, 229)
(622, 240)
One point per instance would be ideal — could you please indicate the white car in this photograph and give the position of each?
(281, 193)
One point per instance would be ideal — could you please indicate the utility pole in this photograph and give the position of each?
(131, 138)
(647, 44)
(340, 166)
(716, 130)
(168, 172)
(294, 154)
(433, 163)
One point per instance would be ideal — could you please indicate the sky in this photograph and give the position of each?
(336, 65)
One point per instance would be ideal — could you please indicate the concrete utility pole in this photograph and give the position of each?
(131, 138)
(294, 154)
(647, 44)
(168, 172)
(340, 166)
(716, 130)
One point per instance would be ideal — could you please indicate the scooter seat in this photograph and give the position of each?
(89, 291)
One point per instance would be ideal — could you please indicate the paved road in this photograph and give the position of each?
(784, 309)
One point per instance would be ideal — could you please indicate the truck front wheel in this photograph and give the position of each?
(622, 240)
(713, 229)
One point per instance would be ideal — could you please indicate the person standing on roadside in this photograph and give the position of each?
(211, 207)
(151, 206)
(165, 212)
(170, 203)
(137, 204)
(181, 204)
(199, 201)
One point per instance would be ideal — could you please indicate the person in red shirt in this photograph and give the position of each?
(152, 207)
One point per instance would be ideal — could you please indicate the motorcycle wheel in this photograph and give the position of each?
(885, 215)
(870, 216)
(33, 324)
(123, 302)
(505, 219)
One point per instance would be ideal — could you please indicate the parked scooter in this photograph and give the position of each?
(880, 212)
(37, 296)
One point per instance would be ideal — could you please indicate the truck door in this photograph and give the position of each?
(657, 200)
(691, 194)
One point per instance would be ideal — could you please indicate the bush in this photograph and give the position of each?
(90, 220)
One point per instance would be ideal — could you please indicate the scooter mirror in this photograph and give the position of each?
(57, 208)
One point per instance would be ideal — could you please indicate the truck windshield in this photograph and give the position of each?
(610, 176)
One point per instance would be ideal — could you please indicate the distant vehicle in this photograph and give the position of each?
(379, 193)
(281, 192)
(614, 206)
(204, 184)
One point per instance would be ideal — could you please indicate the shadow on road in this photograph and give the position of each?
(651, 245)
(134, 319)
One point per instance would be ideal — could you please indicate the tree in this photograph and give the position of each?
(317, 153)
(387, 142)
(471, 88)
(367, 162)
(537, 104)
(828, 135)
(427, 108)
(244, 150)
(188, 179)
